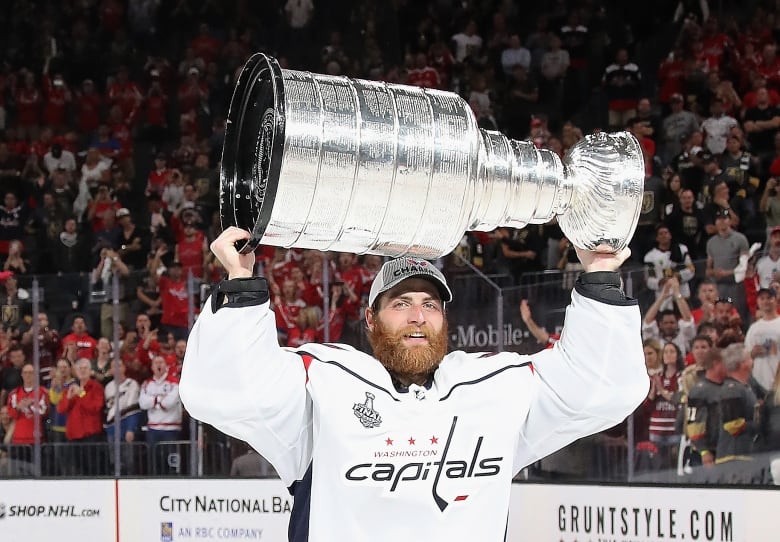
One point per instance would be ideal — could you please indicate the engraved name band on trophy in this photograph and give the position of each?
(333, 163)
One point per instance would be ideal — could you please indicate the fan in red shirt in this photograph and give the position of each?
(442, 61)
(758, 82)
(43, 144)
(156, 106)
(192, 92)
(287, 306)
(308, 328)
(16, 145)
(192, 250)
(770, 66)
(24, 405)
(126, 94)
(278, 269)
(336, 317)
(175, 363)
(306, 289)
(83, 403)
(88, 104)
(188, 123)
(757, 32)
(85, 344)
(175, 299)
(707, 294)
(120, 130)
(671, 75)
(57, 97)
(28, 107)
(168, 353)
(746, 61)
(423, 75)
(312, 264)
(98, 207)
(706, 62)
(147, 348)
(205, 45)
(159, 177)
(714, 41)
(348, 272)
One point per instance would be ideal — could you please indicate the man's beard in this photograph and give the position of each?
(408, 363)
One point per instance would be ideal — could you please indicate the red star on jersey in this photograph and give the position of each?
(434, 440)
(411, 440)
(389, 441)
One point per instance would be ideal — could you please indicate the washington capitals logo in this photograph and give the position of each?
(440, 466)
(365, 412)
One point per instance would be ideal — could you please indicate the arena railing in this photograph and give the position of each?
(483, 316)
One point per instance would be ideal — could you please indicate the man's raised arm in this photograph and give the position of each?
(595, 374)
(237, 378)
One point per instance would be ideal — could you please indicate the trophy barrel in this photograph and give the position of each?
(332, 163)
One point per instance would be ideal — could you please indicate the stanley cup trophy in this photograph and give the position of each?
(333, 163)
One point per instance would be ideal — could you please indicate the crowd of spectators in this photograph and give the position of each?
(112, 115)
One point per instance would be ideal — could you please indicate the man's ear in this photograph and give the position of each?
(369, 319)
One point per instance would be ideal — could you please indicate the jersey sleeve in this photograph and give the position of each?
(237, 378)
(589, 381)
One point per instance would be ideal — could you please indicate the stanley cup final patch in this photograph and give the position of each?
(365, 412)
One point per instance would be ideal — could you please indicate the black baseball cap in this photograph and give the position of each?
(723, 213)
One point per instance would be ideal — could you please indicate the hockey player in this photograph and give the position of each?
(413, 442)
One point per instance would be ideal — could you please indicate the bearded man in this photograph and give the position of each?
(413, 443)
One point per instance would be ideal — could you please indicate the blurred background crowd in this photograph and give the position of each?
(112, 117)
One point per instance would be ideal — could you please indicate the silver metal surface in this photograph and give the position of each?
(370, 167)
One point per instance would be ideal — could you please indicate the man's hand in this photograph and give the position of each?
(674, 286)
(224, 248)
(602, 258)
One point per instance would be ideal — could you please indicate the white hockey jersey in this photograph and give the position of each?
(162, 403)
(367, 462)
